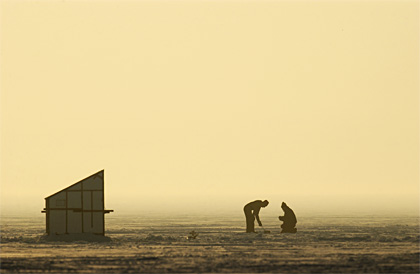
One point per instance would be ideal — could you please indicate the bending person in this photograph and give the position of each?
(251, 211)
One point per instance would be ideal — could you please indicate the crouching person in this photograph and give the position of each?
(289, 219)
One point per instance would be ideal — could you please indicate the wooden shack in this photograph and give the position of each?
(79, 208)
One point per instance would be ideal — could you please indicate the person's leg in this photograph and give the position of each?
(252, 223)
(288, 228)
(246, 219)
(249, 221)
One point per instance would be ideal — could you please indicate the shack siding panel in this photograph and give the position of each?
(74, 222)
(76, 187)
(98, 226)
(57, 222)
(97, 200)
(87, 201)
(58, 200)
(93, 183)
(74, 199)
(87, 224)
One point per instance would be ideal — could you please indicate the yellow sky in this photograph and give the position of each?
(214, 103)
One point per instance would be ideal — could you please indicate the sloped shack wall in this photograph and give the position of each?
(77, 209)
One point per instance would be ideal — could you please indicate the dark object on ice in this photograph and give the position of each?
(251, 211)
(77, 209)
(265, 230)
(289, 219)
(192, 235)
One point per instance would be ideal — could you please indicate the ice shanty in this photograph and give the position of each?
(78, 208)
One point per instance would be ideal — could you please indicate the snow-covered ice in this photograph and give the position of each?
(153, 243)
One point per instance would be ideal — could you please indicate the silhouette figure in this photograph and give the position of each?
(289, 219)
(251, 211)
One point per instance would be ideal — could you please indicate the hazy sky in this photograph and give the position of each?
(212, 104)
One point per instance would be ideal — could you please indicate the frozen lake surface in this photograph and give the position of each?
(323, 244)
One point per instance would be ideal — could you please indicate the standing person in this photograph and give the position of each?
(252, 210)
